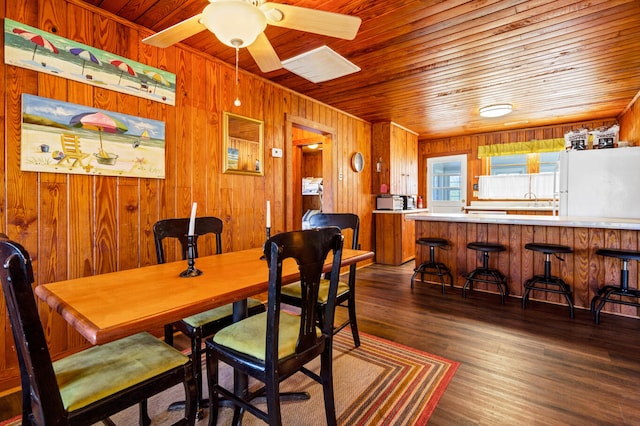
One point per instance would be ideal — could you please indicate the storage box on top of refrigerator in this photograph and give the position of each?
(600, 183)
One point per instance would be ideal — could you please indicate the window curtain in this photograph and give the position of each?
(545, 145)
(517, 186)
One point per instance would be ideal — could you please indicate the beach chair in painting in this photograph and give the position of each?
(71, 150)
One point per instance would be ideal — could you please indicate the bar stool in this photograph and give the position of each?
(484, 274)
(557, 284)
(431, 267)
(623, 289)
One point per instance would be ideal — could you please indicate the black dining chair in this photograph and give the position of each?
(274, 345)
(346, 290)
(91, 385)
(204, 324)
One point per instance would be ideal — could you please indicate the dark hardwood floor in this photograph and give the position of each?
(518, 367)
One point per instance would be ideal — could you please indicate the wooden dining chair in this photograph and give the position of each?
(291, 293)
(91, 385)
(274, 345)
(204, 324)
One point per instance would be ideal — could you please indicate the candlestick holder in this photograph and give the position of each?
(268, 235)
(191, 271)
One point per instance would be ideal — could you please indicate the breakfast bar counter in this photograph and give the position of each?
(583, 270)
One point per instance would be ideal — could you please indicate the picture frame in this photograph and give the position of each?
(242, 145)
(62, 137)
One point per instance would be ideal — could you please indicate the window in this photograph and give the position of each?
(523, 163)
(445, 181)
(509, 164)
(520, 176)
(549, 161)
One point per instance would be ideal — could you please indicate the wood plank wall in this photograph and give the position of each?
(77, 225)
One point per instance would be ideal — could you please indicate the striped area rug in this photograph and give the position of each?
(403, 386)
(379, 383)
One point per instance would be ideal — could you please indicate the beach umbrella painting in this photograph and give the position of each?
(123, 67)
(85, 55)
(100, 122)
(37, 40)
(157, 78)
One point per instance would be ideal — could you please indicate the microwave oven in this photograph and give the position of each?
(393, 202)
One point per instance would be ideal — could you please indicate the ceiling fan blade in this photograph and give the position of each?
(312, 21)
(176, 33)
(263, 53)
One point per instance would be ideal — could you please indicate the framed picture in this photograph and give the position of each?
(60, 137)
(34, 49)
(242, 145)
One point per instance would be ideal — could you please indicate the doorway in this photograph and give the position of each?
(447, 183)
(309, 171)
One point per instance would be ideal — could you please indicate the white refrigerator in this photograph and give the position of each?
(600, 183)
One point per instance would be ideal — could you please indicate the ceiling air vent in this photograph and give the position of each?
(320, 65)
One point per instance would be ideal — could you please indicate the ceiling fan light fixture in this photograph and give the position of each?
(235, 23)
(497, 110)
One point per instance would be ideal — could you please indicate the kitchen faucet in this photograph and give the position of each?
(531, 195)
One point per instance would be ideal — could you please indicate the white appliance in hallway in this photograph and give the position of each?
(600, 183)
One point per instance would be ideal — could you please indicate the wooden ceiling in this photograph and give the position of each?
(429, 65)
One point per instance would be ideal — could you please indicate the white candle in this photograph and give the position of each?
(268, 214)
(192, 220)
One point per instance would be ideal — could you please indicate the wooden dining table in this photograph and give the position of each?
(110, 306)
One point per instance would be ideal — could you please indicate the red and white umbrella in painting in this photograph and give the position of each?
(123, 67)
(37, 40)
(85, 55)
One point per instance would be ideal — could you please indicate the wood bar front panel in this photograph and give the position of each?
(583, 270)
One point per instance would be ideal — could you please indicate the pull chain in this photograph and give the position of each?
(237, 101)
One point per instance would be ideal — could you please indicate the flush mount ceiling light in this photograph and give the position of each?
(235, 23)
(497, 110)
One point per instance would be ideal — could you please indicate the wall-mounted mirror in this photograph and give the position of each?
(242, 145)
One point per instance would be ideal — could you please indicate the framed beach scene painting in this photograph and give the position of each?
(60, 137)
(34, 49)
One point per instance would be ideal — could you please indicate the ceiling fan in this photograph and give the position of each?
(241, 23)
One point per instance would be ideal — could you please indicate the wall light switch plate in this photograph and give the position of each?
(276, 152)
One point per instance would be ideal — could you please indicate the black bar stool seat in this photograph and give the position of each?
(431, 267)
(547, 282)
(484, 274)
(621, 290)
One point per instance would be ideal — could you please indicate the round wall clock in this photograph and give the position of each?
(357, 162)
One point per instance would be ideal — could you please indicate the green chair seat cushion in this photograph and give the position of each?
(216, 314)
(295, 290)
(93, 374)
(249, 335)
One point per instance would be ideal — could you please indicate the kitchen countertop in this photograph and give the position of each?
(410, 211)
(520, 219)
(534, 206)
